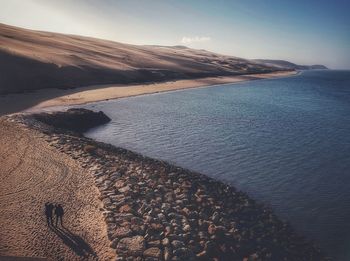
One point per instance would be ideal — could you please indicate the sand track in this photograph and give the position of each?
(33, 173)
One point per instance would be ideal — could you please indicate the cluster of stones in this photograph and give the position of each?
(157, 211)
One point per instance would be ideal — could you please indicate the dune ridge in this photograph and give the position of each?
(34, 60)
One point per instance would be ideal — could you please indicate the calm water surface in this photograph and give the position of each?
(284, 141)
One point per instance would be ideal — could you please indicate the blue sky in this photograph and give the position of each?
(302, 31)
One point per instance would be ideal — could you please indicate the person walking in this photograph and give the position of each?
(59, 212)
(48, 212)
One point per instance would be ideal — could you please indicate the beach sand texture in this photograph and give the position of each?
(33, 173)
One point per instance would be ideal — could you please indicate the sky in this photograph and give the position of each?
(301, 31)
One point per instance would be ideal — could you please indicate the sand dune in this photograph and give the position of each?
(33, 60)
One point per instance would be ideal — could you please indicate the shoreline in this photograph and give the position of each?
(33, 173)
(153, 209)
(46, 98)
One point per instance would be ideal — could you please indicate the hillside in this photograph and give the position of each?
(289, 65)
(35, 60)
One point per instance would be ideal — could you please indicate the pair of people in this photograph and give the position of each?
(57, 210)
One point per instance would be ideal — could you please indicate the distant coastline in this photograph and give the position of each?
(40, 99)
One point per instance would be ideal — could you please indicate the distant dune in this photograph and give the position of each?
(35, 60)
(289, 65)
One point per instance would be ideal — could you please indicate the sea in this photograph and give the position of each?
(284, 141)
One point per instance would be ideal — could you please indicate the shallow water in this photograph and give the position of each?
(284, 141)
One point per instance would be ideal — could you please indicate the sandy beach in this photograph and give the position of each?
(32, 173)
(39, 99)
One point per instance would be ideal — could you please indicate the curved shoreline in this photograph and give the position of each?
(46, 98)
(33, 173)
(157, 210)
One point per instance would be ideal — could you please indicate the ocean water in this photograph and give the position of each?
(286, 142)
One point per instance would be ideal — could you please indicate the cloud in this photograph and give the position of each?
(189, 40)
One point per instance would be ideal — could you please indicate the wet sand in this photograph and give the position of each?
(37, 100)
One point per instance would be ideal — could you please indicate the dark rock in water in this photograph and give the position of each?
(78, 120)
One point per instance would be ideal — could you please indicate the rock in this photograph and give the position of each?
(76, 119)
(155, 228)
(215, 217)
(184, 253)
(165, 207)
(167, 253)
(253, 257)
(173, 237)
(220, 232)
(161, 216)
(114, 243)
(122, 232)
(125, 209)
(134, 246)
(137, 229)
(119, 184)
(187, 228)
(136, 221)
(168, 230)
(211, 229)
(177, 244)
(124, 189)
(154, 252)
(155, 243)
(202, 255)
(210, 248)
(166, 242)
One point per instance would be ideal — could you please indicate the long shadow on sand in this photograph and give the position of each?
(74, 242)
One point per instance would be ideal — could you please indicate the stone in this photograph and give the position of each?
(114, 243)
(211, 229)
(209, 248)
(119, 184)
(184, 253)
(202, 255)
(167, 254)
(136, 221)
(154, 252)
(124, 189)
(155, 243)
(187, 228)
(122, 232)
(133, 246)
(215, 217)
(177, 244)
(125, 209)
(166, 242)
(138, 229)
(157, 226)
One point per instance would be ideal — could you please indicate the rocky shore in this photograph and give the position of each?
(158, 211)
